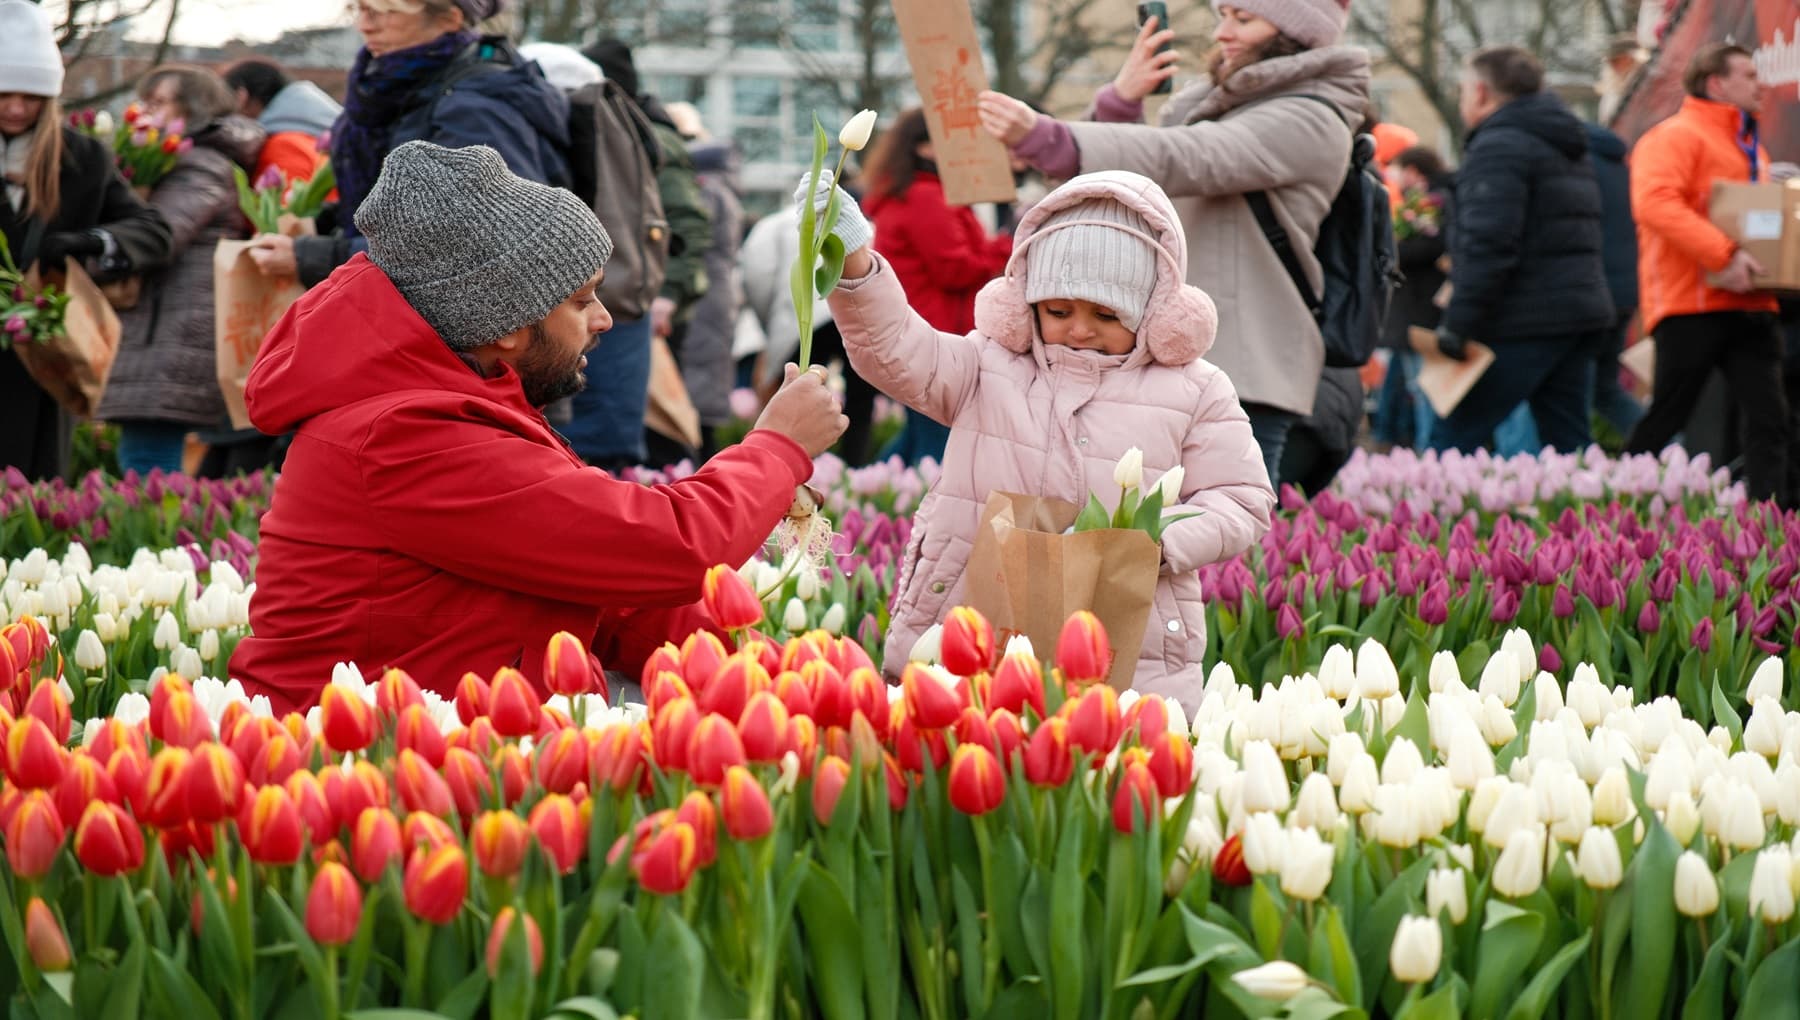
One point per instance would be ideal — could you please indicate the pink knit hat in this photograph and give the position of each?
(1311, 23)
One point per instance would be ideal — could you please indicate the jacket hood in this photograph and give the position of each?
(301, 106)
(720, 158)
(1338, 74)
(529, 94)
(1604, 144)
(235, 137)
(354, 338)
(1545, 116)
(1179, 323)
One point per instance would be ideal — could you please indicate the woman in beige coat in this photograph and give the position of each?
(1275, 113)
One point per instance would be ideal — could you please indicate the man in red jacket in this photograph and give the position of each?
(427, 516)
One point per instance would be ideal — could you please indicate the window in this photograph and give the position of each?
(756, 26)
(756, 118)
(682, 23)
(811, 98)
(672, 88)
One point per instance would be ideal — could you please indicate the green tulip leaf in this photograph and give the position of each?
(1068, 962)
(836, 964)
(1093, 517)
(831, 265)
(178, 990)
(1773, 992)
(1535, 999)
(1315, 1004)
(392, 1014)
(1265, 919)
(1725, 715)
(1439, 1005)
(1509, 941)
(1706, 1000)
(1375, 929)
(1654, 923)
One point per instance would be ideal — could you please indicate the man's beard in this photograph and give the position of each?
(547, 376)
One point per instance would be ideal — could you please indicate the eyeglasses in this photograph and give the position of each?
(356, 11)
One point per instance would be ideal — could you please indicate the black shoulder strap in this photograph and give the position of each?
(1278, 239)
(489, 53)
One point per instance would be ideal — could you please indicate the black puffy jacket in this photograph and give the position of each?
(1526, 240)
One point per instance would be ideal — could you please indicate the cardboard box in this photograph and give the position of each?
(1765, 219)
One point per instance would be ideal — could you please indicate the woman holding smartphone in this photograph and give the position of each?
(1275, 112)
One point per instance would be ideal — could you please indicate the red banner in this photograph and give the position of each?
(1769, 27)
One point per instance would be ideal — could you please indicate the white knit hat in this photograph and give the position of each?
(1311, 23)
(29, 60)
(1087, 252)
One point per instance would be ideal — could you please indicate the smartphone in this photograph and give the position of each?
(1160, 11)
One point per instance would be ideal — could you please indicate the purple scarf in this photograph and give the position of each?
(380, 89)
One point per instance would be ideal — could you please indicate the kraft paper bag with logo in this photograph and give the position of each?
(1028, 577)
(670, 412)
(246, 305)
(73, 367)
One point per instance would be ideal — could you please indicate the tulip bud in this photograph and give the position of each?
(713, 748)
(1135, 802)
(562, 761)
(729, 600)
(1766, 682)
(668, 860)
(762, 727)
(270, 826)
(496, 944)
(828, 785)
(334, 907)
(1049, 762)
(1696, 890)
(1520, 870)
(1376, 677)
(1306, 865)
(512, 704)
(1129, 472)
(967, 645)
(346, 721)
(1771, 886)
(1446, 890)
(1278, 981)
(1083, 653)
(90, 654)
(672, 733)
(744, 806)
(1172, 765)
(1742, 825)
(34, 835)
(1417, 950)
(1265, 780)
(1264, 843)
(437, 880)
(1316, 805)
(214, 783)
(793, 617)
(375, 843)
(35, 759)
(855, 133)
(469, 780)
(567, 669)
(1357, 793)
(471, 698)
(1170, 485)
(1094, 722)
(1018, 682)
(1597, 859)
(499, 840)
(932, 701)
(1612, 798)
(108, 841)
(926, 648)
(45, 941)
(557, 824)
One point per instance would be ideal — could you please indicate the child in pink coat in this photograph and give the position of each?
(1091, 344)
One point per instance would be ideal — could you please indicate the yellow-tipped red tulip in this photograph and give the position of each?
(395, 692)
(562, 761)
(668, 859)
(215, 784)
(496, 943)
(663, 687)
(499, 840)
(616, 756)
(1018, 683)
(713, 748)
(45, 941)
(270, 827)
(418, 732)
(334, 906)
(512, 704)
(740, 676)
(972, 728)
(346, 721)
(869, 696)
(35, 759)
(1172, 764)
(1094, 723)
(795, 693)
(436, 882)
(728, 599)
(1049, 760)
(515, 774)
(701, 656)
(48, 704)
(1083, 653)
(931, 702)
(84, 782)
(697, 810)
(421, 787)
(977, 786)
(744, 805)
(170, 685)
(471, 698)
(763, 727)
(375, 844)
(315, 811)
(165, 791)
(421, 831)
(112, 735)
(828, 785)
(968, 642)
(1135, 803)
(348, 793)
(672, 734)
(469, 780)
(557, 824)
(108, 841)
(1009, 734)
(1148, 719)
(34, 835)
(567, 669)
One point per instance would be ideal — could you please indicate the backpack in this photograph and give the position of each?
(614, 160)
(1355, 250)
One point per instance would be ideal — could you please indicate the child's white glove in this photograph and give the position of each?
(852, 227)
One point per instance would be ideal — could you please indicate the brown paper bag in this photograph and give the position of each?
(246, 305)
(1444, 380)
(1027, 577)
(73, 367)
(670, 412)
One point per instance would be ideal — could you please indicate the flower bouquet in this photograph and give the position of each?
(145, 145)
(29, 312)
(272, 199)
(1420, 214)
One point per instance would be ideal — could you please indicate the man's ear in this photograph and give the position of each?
(514, 342)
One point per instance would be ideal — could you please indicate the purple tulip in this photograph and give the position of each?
(1434, 605)
(1701, 636)
(1548, 659)
(1506, 606)
(1562, 604)
(1288, 624)
(1649, 619)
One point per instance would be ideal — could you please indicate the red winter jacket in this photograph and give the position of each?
(430, 519)
(940, 252)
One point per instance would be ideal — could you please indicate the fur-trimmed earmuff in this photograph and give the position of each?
(1178, 326)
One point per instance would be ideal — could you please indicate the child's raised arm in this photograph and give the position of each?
(1225, 481)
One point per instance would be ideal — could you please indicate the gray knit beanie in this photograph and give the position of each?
(476, 250)
(1084, 252)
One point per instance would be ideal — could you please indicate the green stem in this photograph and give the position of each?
(990, 948)
(812, 262)
(418, 940)
(331, 983)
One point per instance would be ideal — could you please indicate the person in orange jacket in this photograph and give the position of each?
(1699, 295)
(295, 112)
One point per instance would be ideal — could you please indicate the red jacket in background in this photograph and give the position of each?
(430, 519)
(941, 253)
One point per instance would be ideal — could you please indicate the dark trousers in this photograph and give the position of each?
(1747, 347)
(1554, 375)
(859, 396)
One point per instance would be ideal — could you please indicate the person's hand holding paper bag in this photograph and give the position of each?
(1452, 365)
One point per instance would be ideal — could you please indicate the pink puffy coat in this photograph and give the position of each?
(1054, 421)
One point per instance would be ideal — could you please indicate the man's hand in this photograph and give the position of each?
(1145, 69)
(805, 411)
(1005, 118)
(1452, 346)
(1739, 276)
(274, 255)
(662, 317)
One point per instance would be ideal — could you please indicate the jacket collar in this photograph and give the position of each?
(1723, 116)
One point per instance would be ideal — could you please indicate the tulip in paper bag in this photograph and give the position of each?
(1028, 576)
(246, 305)
(73, 365)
